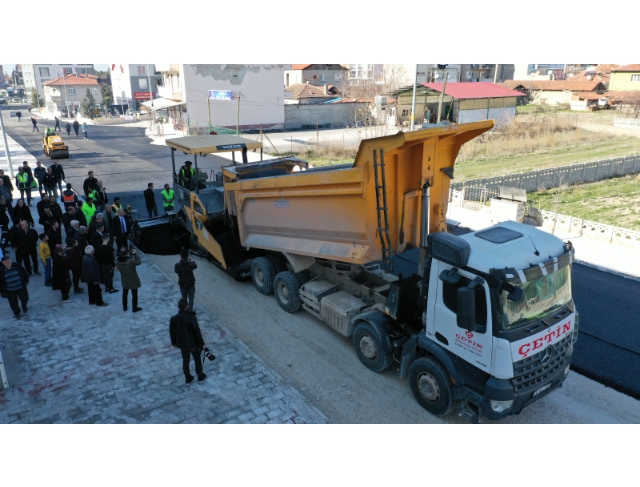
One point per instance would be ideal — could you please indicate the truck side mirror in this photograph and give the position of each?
(466, 309)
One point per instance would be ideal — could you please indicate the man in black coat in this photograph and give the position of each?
(90, 184)
(71, 214)
(49, 183)
(58, 174)
(91, 275)
(185, 334)
(38, 173)
(26, 246)
(104, 256)
(121, 228)
(55, 235)
(150, 201)
(13, 285)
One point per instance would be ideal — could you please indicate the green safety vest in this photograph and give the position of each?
(94, 195)
(23, 179)
(168, 198)
(184, 170)
(88, 211)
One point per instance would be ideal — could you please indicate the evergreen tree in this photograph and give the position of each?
(88, 104)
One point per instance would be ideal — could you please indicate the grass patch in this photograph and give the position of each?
(613, 201)
(326, 154)
(531, 145)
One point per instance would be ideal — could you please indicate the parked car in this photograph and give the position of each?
(15, 99)
(3, 101)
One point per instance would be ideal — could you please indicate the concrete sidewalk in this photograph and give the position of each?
(75, 363)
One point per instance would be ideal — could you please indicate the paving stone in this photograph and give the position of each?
(118, 368)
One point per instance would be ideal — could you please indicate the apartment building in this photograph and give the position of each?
(35, 75)
(133, 84)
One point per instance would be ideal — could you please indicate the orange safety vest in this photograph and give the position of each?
(68, 199)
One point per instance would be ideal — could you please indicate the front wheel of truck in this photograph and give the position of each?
(262, 275)
(431, 386)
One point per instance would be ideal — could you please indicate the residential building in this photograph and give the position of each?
(18, 78)
(256, 91)
(546, 72)
(316, 74)
(463, 102)
(64, 94)
(365, 74)
(308, 94)
(547, 92)
(625, 78)
(3, 83)
(35, 75)
(133, 84)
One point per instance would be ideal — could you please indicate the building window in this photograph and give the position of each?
(142, 84)
(44, 72)
(142, 70)
(323, 77)
(635, 77)
(81, 70)
(67, 70)
(93, 91)
(71, 91)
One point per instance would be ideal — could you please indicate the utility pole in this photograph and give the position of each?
(6, 145)
(64, 82)
(413, 104)
(444, 89)
(149, 81)
(495, 77)
(238, 116)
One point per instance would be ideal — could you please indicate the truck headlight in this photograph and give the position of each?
(500, 406)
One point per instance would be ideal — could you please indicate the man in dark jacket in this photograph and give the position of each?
(71, 214)
(185, 335)
(73, 258)
(49, 183)
(89, 184)
(38, 173)
(104, 256)
(58, 174)
(150, 201)
(91, 275)
(26, 246)
(186, 279)
(121, 228)
(13, 285)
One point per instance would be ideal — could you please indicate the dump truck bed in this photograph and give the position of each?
(350, 213)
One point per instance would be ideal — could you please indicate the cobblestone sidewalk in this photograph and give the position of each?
(75, 363)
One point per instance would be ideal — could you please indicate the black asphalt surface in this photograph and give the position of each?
(608, 349)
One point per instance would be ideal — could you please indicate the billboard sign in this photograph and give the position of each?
(141, 96)
(221, 95)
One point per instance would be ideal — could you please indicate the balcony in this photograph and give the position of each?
(168, 68)
(169, 93)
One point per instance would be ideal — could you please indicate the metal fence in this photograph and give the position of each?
(554, 177)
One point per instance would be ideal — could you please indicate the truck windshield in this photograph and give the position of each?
(540, 298)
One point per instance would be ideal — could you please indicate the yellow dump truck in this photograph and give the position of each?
(54, 147)
(484, 323)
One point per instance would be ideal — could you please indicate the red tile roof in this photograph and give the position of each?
(297, 67)
(629, 68)
(544, 85)
(470, 91)
(73, 80)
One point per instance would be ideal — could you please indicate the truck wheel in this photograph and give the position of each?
(262, 275)
(431, 386)
(369, 348)
(287, 290)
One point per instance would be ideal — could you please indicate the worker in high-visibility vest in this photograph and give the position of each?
(89, 209)
(186, 176)
(168, 199)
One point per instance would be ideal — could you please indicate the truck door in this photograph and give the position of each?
(473, 347)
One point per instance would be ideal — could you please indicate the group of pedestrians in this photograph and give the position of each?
(68, 126)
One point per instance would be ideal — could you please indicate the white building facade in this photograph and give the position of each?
(133, 84)
(63, 95)
(35, 75)
(256, 91)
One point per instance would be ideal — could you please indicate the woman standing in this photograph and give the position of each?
(84, 130)
(126, 263)
(23, 212)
